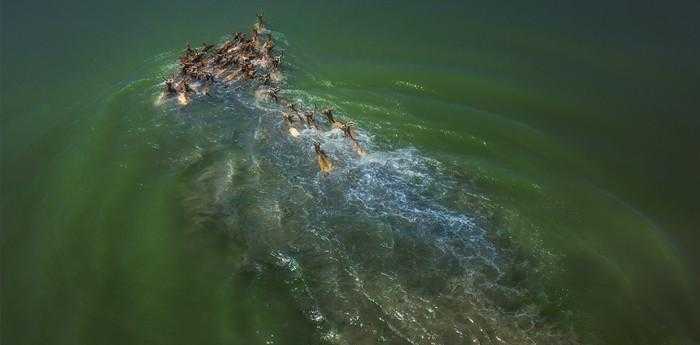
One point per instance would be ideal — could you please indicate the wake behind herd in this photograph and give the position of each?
(252, 61)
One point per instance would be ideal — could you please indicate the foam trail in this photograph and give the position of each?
(371, 252)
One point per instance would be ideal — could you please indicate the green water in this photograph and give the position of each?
(566, 131)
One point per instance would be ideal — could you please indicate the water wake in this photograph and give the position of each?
(372, 252)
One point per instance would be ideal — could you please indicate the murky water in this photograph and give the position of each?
(520, 187)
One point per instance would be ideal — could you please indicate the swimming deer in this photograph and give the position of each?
(324, 163)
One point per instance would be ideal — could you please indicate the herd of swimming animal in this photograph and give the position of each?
(252, 60)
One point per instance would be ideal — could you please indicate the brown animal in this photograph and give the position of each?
(324, 163)
(206, 47)
(183, 93)
(347, 129)
(274, 94)
(255, 39)
(268, 46)
(275, 62)
(250, 58)
(328, 113)
(170, 87)
(310, 119)
(238, 36)
(290, 122)
(259, 24)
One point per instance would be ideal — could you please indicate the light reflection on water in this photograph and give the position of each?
(371, 252)
(538, 132)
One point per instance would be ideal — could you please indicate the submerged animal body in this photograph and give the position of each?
(252, 61)
(324, 163)
(354, 204)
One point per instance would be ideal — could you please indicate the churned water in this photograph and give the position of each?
(530, 177)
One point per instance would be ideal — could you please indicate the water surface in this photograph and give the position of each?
(531, 177)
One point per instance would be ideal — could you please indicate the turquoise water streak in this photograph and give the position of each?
(533, 177)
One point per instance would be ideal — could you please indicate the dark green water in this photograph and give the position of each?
(533, 177)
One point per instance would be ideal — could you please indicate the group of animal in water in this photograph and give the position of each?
(251, 60)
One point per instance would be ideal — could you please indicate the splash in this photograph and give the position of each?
(371, 249)
(250, 61)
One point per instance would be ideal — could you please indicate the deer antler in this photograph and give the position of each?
(347, 129)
